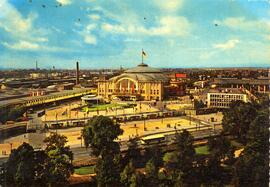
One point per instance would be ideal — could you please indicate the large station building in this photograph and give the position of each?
(138, 83)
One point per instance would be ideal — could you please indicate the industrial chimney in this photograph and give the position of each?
(77, 73)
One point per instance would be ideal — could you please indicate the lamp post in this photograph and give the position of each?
(81, 138)
(144, 123)
(56, 119)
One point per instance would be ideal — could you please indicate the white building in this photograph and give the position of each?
(223, 98)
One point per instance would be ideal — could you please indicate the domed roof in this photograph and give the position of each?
(143, 68)
(142, 73)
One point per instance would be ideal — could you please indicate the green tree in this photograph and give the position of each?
(198, 104)
(59, 162)
(237, 119)
(221, 147)
(252, 167)
(108, 171)
(151, 173)
(185, 150)
(136, 180)
(132, 153)
(127, 173)
(100, 133)
(21, 165)
(154, 152)
(172, 174)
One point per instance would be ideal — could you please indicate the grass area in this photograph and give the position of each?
(103, 107)
(84, 170)
(202, 150)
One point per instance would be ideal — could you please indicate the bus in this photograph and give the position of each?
(153, 139)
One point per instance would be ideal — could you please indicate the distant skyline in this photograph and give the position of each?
(110, 34)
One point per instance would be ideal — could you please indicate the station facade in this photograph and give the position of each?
(138, 83)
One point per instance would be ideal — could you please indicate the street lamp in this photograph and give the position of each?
(144, 123)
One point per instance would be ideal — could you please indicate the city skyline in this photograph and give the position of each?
(99, 34)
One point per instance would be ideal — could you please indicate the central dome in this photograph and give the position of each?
(143, 68)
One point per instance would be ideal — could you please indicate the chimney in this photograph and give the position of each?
(77, 73)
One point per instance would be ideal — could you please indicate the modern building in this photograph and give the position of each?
(222, 98)
(138, 83)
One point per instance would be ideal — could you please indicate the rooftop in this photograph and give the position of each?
(227, 90)
(143, 68)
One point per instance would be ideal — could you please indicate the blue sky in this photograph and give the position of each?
(112, 33)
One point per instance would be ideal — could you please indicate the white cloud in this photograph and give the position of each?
(12, 21)
(241, 23)
(42, 39)
(22, 45)
(18, 27)
(227, 45)
(94, 16)
(87, 35)
(207, 55)
(168, 25)
(267, 37)
(170, 5)
(64, 2)
(90, 39)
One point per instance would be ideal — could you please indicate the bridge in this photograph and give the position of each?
(54, 97)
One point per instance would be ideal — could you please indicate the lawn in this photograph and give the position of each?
(84, 170)
(202, 150)
(103, 107)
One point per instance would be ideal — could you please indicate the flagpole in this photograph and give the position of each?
(142, 56)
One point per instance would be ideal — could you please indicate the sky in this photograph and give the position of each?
(112, 33)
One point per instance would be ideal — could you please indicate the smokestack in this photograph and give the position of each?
(77, 73)
(36, 65)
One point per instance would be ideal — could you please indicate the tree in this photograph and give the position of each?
(252, 166)
(185, 150)
(151, 173)
(221, 148)
(154, 152)
(21, 165)
(132, 153)
(198, 104)
(127, 173)
(237, 119)
(172, 173)
(136, 180)
(59, 162)
(100, 133)
(107, 170)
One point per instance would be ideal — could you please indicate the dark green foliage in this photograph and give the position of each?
(133, 153)
(198, 104)
(21, 165)
(100, 133)
(252, 167)
(58, 165)
(151, 173)
(237, 119)
(108, 171)
(127, 174)
(154, 152)
(221, 148)
(185, 151)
